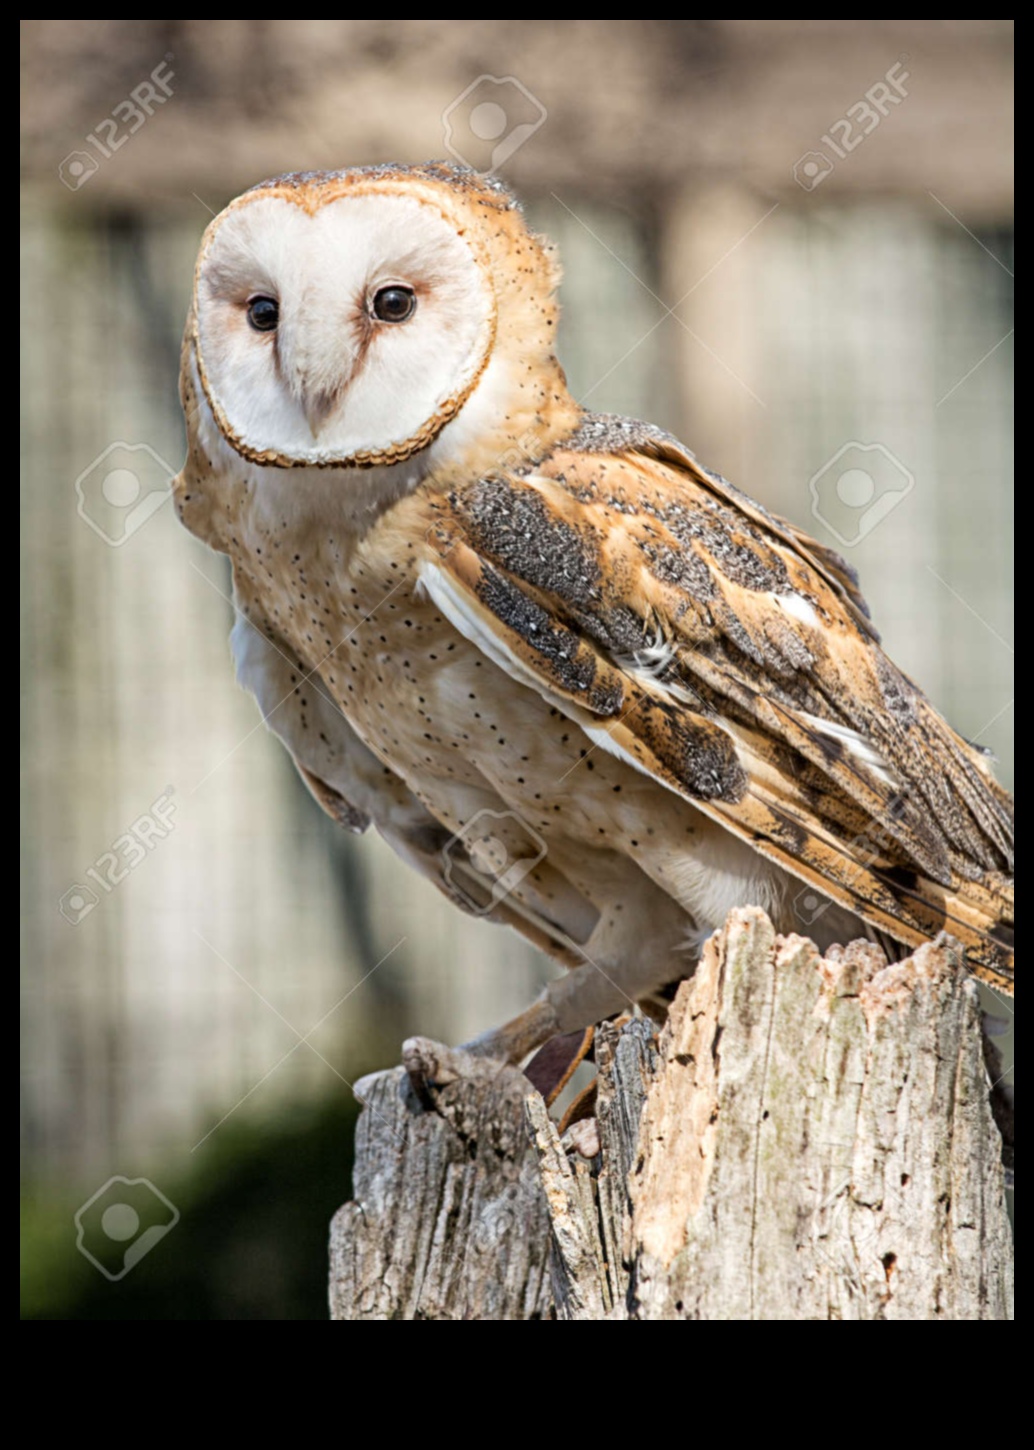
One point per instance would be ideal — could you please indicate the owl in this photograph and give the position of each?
(582, 683)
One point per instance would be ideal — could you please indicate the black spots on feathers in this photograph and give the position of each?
(606, 697)
(738, 553)
(700, 756)
(737, 493)
(789, 834)
(697, 521)
(710, 554)
(743, 566)
(619, 630)
(786, 651)
(571, 666)
(516, 529)
(682, 567)
(460, 178)
(736, 633)
(898, 695)
(610, 433)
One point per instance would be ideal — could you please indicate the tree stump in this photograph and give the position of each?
(807, 1138)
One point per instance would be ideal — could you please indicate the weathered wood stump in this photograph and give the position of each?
(807, 1138)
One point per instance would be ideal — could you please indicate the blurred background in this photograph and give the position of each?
(789, 242)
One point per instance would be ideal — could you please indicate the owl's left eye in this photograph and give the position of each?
(264, 313)
(394, 304)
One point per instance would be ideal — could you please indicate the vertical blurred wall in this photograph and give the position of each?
(779, 319)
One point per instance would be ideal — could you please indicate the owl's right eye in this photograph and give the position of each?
(263, 313)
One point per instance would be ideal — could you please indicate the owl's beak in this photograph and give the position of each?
(317, 408)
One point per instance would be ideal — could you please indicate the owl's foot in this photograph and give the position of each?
(433, 1065)
(583, 1137)
(429, 1064)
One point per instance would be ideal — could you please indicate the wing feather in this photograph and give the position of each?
(731, 658)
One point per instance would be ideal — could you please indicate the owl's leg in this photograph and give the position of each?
(522, 1034)
(641, 943)
(559, 1017)
(637, 946)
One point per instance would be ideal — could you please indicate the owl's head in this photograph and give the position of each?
(345, 318)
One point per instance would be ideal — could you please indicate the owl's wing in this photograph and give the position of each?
(728, 656)
(836, 570)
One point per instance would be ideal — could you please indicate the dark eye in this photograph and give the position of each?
(394, 304)
(264, 313)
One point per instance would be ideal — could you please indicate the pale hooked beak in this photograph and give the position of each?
(317, 408)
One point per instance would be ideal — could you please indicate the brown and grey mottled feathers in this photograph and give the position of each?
(731, 658)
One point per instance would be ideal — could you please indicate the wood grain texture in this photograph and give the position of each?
(807, 1138)
(448, 1219)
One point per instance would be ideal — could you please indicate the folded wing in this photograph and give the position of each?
(731, 657)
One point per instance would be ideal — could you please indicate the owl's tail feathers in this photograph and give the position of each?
(872, 877)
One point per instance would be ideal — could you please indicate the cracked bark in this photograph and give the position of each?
(807, 1138)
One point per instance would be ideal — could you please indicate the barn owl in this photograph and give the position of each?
(582, 683)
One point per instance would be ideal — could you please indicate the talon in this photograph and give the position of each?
(431, 1066)
(583, 1137)
(425, 1059)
